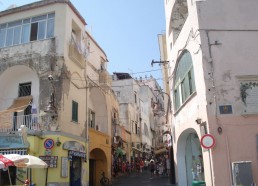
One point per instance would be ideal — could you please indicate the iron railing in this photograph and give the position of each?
(33, 122)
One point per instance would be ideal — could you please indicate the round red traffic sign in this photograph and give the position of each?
(49, 144)
(207, 141)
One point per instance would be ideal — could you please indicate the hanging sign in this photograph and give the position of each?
(207, 141)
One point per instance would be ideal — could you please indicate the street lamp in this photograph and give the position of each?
(171, 157)
(51, 109)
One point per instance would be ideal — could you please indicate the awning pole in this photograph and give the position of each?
(46, 176)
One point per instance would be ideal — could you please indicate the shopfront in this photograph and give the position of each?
(76, 156)
(12, 144)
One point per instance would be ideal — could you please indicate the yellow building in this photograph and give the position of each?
(60, 90)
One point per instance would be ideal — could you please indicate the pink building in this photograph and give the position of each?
(213, 78)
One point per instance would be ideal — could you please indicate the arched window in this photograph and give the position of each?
(184, 85)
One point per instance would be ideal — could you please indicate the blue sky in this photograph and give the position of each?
(127, 30)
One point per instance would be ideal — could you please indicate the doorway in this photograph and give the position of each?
(189, 158)
(75, 171)
(4, 176)
(92, 171)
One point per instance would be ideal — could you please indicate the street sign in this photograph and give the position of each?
(49, 143)
(207, 141)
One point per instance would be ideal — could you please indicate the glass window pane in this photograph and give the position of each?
(25, 33)
(17, 35)
(52, 15)
(2, 37)
(192, 80)
(50, 28)
(9, 37)
(3, 25)
(25, 21)
(15, 23)
(38, 18)
(42, 30)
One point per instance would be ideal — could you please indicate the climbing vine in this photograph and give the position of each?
(244, 87)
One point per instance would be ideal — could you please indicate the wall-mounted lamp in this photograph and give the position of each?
(58, 142)
(219, 130)
(198, 120)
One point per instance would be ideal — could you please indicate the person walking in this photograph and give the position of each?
(168, 166)
(152, 168)
(141, 165)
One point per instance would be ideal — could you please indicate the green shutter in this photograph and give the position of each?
(74, 111)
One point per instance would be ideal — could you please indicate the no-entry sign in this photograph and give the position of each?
(207, 141)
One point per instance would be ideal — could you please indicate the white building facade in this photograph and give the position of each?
(213, 76)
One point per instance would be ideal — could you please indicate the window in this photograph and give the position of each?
(91, 119)
(74, 111)
(184, 85)
(23, 31)
(24, 89)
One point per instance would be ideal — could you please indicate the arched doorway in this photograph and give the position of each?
(189, 158)
(98, 164)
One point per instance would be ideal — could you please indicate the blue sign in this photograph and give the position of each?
(49, 144)
(225, 109)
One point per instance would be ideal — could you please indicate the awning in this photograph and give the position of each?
(160, 151)
(19, 104)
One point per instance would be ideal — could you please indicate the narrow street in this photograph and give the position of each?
(140, 179)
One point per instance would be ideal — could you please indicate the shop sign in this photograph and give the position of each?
(48, 152)
(50, 160)
(72, 153)
(207, 141)
(74, 146)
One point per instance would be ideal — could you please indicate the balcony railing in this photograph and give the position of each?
(33, 122)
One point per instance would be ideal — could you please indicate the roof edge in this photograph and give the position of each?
(41, 4)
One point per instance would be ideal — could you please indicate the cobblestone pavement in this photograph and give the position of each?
(140, 179)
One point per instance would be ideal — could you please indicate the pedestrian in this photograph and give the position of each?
(115, 170)
(137, 166)
(168, 166)
(152, 168)
(146, 164)
(128, 167)
(141, 165)
(123, 167)
(26, 183)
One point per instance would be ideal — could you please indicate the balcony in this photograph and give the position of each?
(29, 50)
(76, 54)
(33, 122)
(104, 77)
